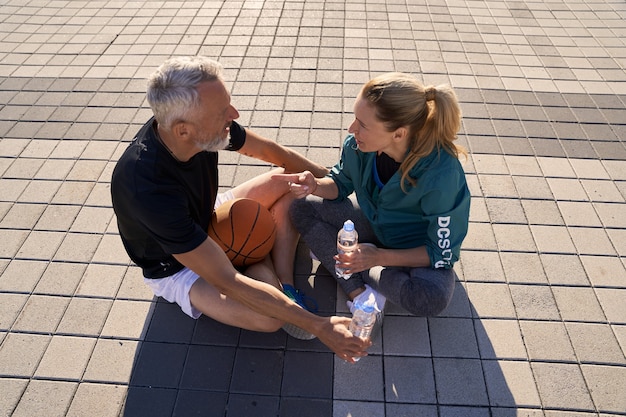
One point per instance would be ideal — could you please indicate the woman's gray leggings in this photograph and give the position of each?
(421, 291)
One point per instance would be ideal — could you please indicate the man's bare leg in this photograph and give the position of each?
(206, 298)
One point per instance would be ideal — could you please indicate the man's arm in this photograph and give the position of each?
(267, 150)
(210, 263)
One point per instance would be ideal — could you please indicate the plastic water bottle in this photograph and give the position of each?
(347, 241)
(363, 320)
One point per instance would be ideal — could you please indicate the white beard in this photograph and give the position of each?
(214, 145)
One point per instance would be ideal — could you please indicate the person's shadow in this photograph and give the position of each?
(416, 366)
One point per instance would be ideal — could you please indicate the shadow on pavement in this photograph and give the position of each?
(417, 366)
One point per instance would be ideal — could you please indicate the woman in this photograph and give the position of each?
(401, 183)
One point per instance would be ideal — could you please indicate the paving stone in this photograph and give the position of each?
(561, 385)
(209, 404)
(40, 245)
(510, 384)
(101, 280)
(567, 189)
(77, 247)
(409, 380)
(358, 409)
(363, 381)
(12, 390)
(552, 239)
(482, 267)
(20, 354)
(534, 302)
(452, 337)
(579, 213)
(21, 275)
(50, 398)
(578, 304)
(105, 398)
(460, 382)
(11, 242)
(111, 361)
(536, 335)
(505, 211)
(149, 401)
(451, 411)
(602, 191)
(499, 339)
(57, 217)
(490, 300)
(595, 343)
(564, 270)
(542, 212)
(523, 268)
(252, 372)
(65, 358)
(22, 216)
(127, 319)
(41, 314)
(612, 302)
(85, 316)
(319, 370)
(511, 237)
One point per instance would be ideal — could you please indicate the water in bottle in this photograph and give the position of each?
(347, 241)
(363, 320)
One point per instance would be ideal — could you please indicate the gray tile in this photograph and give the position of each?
(453, 337)
(50, 398)
(12, 390)
(500, 339)
(460, 382)
(307, 374)
(534, 302)
(208, 368)
(511, 384)
(561, 385)
(305, 407)
(252, 405)
(150, 370)
(363, 381)
(253, 372)
(358, 409)
(201, 403)
(105, 398)
(149, 401)
(409, 380)
(406, 336)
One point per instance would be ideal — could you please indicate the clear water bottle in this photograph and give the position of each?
(363, 320)
(347, 241)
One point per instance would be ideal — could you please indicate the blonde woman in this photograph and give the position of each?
(400, 181)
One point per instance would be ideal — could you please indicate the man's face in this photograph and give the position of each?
(212, 118)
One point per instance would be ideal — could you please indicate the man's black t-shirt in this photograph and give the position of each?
(164, 206)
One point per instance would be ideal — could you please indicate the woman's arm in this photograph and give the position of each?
(368, 256)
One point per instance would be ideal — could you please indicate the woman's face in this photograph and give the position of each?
(371, 134)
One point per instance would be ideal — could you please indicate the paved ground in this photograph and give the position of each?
(537, 326)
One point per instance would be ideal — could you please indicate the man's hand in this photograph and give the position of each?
(300, 185)
(337, 337)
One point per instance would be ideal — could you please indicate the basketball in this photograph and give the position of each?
(244, 229)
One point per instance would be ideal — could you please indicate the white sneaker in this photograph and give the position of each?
(379, 302)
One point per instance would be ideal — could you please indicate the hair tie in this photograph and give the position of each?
(429, 93)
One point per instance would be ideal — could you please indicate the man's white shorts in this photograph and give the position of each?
(175, 288)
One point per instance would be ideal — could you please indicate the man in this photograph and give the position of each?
(164, 189)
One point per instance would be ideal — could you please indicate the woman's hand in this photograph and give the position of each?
(300, 185)
(363, 258)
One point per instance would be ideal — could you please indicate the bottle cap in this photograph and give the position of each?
(367, 306)
(348, 226)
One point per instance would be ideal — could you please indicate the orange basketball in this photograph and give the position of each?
(244, 229)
